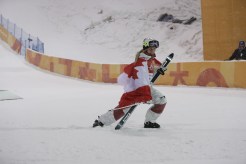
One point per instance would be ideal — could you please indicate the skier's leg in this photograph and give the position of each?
(112, 116)
(159, 101)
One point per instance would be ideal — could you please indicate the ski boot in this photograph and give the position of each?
(97, 123)
(151, 125)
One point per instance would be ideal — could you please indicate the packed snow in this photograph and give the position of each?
(52, 123)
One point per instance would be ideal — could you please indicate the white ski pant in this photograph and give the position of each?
(158, 100)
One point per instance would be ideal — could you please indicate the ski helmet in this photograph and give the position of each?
(149, 42)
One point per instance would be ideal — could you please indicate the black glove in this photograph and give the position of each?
(161, 71)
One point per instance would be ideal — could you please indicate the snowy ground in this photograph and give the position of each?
(52, 123)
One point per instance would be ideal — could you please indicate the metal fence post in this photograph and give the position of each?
(21, 35)
(42, 47)
(37, 44)
(8, 24)
(24, 48)
(29, 40)
(14, 29)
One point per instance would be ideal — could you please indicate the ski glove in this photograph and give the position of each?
(162, 70)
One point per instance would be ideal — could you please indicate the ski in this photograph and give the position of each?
(125, 117)
(157, 74)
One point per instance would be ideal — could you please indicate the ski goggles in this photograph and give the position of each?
(154, 43)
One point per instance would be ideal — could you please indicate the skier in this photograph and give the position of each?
(239, 53)
(138, 89)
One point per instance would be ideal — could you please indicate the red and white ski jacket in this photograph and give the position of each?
(136, 80)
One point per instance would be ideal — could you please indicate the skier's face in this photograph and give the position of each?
(151, 50)
(241, 45)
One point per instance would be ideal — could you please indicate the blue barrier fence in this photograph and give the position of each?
(27, 40)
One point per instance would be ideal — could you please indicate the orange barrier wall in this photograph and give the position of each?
(224, 25)
(88, 71)
(10, 39)
(219, 74)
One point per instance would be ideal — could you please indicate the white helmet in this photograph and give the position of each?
(149, 42)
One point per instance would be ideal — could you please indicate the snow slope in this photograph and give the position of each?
(52, 123)
(94, 30)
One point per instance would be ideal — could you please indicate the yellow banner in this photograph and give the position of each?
(3, 34)
(215, 74)
(10, 39)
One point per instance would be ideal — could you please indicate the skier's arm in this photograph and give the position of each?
(233, 56)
